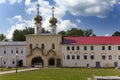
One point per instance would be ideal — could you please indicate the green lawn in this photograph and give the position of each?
(60, 74)
(9, 69)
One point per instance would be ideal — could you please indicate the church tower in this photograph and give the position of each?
(53, 22)
(37, 22)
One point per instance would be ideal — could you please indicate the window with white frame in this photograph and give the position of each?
(118, 47)
(68, 56)
(103, 56)
(85, 56)
(68, 48)
(85, 47)
(73, 56)
(4, 52)
(21, 51)
(103, 47)
(92, 56)
(109, 47)
(13, 62)
(119, 57)
(110, 57)
(78, 56)
(92, 48)
(72, 47)
(12, 51)
(78, 48)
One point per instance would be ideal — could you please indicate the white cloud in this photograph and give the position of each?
(78, 20)
(27, 2)
(14, 27)
(45, 12)
(18, 23)
(2, 1)
(65, 25)
(11, 1)
(15, 1)
(107, 35)
(98, 8)
(16, 19)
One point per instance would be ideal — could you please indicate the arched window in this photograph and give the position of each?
(53, 46)
(30, 46)
(68, 56)
(68, 48)
(43, 46)
(36, 45)
(78, 57)
(73, 56)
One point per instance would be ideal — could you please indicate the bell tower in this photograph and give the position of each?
(53, 22)
(37, 22)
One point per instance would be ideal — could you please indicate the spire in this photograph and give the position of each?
(37, 20)
(38, 8)
(37, 17)
(52, 11)
(53, 22)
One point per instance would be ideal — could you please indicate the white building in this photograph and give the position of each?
(75, 51)
(8, 52)
(91, 51)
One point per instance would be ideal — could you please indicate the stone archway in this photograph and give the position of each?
(37, 62)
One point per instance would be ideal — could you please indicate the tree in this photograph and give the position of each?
(89, 32)
(3, 37)
(63, 33)
(117, 33)
(19, 35)
(77, 32)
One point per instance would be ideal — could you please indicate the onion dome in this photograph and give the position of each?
(53, 21)
(38, 18)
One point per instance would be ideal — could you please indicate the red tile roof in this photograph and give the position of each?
(109, 40)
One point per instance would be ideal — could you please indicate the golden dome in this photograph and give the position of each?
(38, 18)
(53, 21)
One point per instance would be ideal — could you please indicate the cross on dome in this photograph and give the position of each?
(38, 5)
(52, 11)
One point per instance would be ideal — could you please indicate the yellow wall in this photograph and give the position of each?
(48, 52)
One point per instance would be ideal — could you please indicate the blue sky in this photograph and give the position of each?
(102, 16)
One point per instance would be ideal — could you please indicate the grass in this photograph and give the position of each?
(9, 69)
(60, 74)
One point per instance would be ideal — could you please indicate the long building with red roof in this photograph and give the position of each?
(99, 51)
(92, 40)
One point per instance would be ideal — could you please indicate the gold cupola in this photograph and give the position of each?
(37, 17)
(53, 20)
(37, 22)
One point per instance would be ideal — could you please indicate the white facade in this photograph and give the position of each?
(38, 28)
(92, 56)
(73, 55)
(8, 52)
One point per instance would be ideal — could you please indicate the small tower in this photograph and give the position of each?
(53, 22)
(38, 24)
